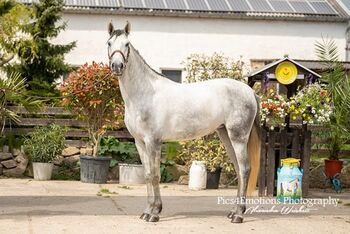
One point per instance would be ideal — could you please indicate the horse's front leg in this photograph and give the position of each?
(151, 151)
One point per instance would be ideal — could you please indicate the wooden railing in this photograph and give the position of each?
(76, 129)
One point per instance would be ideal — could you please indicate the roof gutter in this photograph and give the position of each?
(209, 15)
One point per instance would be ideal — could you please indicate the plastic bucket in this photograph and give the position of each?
(42, 171)
(131, 173)
(94, 169)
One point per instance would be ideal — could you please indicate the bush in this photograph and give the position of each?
(93, 92)
(208, 149)
(45, 144)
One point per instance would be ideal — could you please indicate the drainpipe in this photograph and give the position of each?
(347, 46)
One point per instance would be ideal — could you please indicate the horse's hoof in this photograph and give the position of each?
(145, 216)
(237, 219)
(153, 218)
(230, 215)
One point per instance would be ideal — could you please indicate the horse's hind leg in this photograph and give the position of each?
(150, 155)
(239, 140)
(222, 132)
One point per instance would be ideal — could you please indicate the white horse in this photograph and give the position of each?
(158, 109)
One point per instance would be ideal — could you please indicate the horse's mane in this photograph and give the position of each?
(145, 63)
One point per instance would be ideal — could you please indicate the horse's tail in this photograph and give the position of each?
(254, 146)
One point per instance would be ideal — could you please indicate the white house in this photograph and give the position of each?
(167, 31)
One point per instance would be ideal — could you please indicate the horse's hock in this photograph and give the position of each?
(277, 145)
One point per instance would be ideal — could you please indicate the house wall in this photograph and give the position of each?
(165, 42)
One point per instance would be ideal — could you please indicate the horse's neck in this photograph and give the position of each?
(137, 82)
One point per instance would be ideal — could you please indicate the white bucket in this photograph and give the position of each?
(42, 171)
(198, 176)
(131, 174)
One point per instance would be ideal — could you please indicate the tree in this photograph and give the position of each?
(13, 18)
(338, 84)
(41, 69)
(202, 67)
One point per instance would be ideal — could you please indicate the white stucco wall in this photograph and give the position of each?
(166, 41)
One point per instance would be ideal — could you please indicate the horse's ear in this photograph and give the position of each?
(110, 28)
(127, 28)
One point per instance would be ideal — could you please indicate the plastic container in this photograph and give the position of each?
(94, 169)
(198, 176)
(42, 171)
(131, 173)
(289, 180)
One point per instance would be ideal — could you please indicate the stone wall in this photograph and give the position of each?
(16, 163)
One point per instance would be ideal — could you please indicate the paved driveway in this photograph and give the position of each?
(29, 206)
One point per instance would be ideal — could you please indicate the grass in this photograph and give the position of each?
(105, 192)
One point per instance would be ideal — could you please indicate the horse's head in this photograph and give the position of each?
(118, 47)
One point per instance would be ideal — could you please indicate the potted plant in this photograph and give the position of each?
(93, 93)
(42, 147)
(125, 156)
(338, 86)
(210, 150)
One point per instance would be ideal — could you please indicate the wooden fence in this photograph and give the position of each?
(76, 129)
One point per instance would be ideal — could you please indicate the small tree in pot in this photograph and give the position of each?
(338, 85)
(93, 93)
(42, 148)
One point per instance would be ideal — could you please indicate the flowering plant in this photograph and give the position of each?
(311, 105)
(273, 109)
(93, 92)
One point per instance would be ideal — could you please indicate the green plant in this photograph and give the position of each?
(165, 174)
(13, 19)
(45, 143)
(125, 152)
(338, 86)
(208, 149)
(13, 92)
(93, 92)
(46, 63)
(311, 104)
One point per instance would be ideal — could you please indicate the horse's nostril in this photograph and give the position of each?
(112, 66)
(121, 66)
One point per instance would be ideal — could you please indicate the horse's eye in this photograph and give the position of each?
(109, 43)
(127, 44)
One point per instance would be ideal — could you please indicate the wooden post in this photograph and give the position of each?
(296, 143)
(283, 144)
(271, 165)
(262, 171)
(306, 163)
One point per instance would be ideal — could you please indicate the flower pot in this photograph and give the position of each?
(42, 171)
(198, 176)
(131, 173)
(94, 169)
(332, 167)
(213, 179)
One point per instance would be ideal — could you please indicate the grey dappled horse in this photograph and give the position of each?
(158, 109)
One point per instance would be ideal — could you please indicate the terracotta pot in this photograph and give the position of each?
(332, 167)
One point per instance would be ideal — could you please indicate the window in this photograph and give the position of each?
(174, 75)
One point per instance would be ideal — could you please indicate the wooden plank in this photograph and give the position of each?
(283, 144)
(325, 152)
(306, 163)
(47, 121)
(270, 184)
(71, 133)
(262, 170)
(76, 143)
(42, 111)
(296, 143)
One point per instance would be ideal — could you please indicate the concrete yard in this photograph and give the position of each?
(29, 206)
